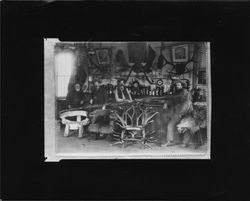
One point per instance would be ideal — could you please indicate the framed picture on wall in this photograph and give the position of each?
(180, 53)
(103, 56)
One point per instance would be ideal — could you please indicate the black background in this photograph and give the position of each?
(25, 175)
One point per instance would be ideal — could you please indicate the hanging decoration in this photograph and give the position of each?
(159, 82)
(120, 59)
(161, 58)
(99, 60)
(150, 59)
(141, 56)
(178, 68)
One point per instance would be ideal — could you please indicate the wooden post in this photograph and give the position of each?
(78, 119)
(122, 138)
(143, 135)
(66, 131)
(80, 135)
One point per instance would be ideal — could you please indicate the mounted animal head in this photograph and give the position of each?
(177, 68)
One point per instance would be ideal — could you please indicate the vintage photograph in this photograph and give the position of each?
(180, 53)
(103, 56)
(127, 100)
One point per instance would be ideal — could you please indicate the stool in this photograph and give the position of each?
(75, 125)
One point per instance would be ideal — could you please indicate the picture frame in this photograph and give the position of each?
(180, 53)
(103, 57)
(55, 136)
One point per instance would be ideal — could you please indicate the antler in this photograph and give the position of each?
(168, 62)
(128, 75)
(123, 123)
(150, 81)
(150, 117)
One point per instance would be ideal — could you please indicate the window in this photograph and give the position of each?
(64, 62)
(202, 77)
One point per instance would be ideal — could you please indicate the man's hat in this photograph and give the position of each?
(184, 84)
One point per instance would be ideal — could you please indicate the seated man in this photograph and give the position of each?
(121, 92)
(192, 124)
(99, 95)
(136, 91)
(198, 95)
(75, 97)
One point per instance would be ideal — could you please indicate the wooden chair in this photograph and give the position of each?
(133, 122)
(75, 125)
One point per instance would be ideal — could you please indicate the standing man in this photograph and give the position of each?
(175, 106)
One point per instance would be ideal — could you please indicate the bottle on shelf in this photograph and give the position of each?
(159, 91)
(142, 91)
(149, 91)
(162, 91)
(111, 89)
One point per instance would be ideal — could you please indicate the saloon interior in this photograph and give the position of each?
(93, 116)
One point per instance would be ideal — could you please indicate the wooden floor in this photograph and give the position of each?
(89, 145)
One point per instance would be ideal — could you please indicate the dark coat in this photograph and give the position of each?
(74, 98)
(99, 96)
